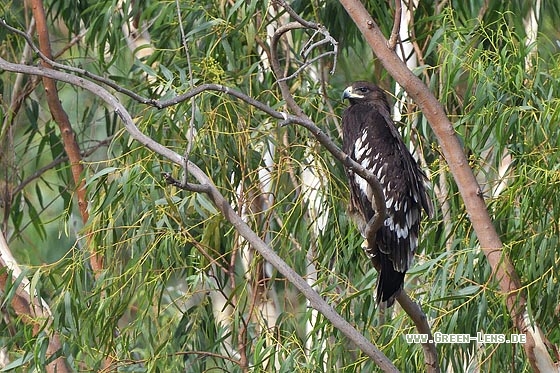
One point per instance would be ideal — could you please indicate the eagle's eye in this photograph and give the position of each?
(362, 89)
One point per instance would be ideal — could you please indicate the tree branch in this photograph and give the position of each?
(414, 311)
(392, 42)
(59, 115)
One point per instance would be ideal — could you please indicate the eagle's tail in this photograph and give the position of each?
(390, 281)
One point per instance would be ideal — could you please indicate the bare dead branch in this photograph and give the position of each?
(308, 47)
(294, 15)
(392, 42)
(307, 63)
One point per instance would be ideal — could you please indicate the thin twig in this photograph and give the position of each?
(392, 42)
(297, 17)
(307, 48)
(328, 39)
(304, 65)
(190, 132)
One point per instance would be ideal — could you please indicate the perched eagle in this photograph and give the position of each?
(372, 140)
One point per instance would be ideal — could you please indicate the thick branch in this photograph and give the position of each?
(59, 115)
(490, 242)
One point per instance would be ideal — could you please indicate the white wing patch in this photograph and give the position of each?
(401, 232)
(362, 184)
(389, 203)
(361, 147)
(364, 136)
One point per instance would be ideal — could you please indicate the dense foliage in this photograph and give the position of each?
(180, 290)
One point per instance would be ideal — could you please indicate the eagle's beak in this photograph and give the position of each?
(349, 93)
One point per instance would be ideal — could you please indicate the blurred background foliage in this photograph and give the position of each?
(174, 265)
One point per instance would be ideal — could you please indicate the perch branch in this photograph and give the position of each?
(414, 311)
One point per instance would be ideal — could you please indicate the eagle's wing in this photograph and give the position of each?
(420, 181)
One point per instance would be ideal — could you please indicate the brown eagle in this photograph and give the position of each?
(371, 139)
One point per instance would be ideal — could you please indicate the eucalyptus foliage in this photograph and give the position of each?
(170, 256)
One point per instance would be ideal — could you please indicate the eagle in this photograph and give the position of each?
(371, 139)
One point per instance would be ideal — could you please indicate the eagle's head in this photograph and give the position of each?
(364, 92)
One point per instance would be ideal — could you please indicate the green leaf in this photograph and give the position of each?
(99, 174)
